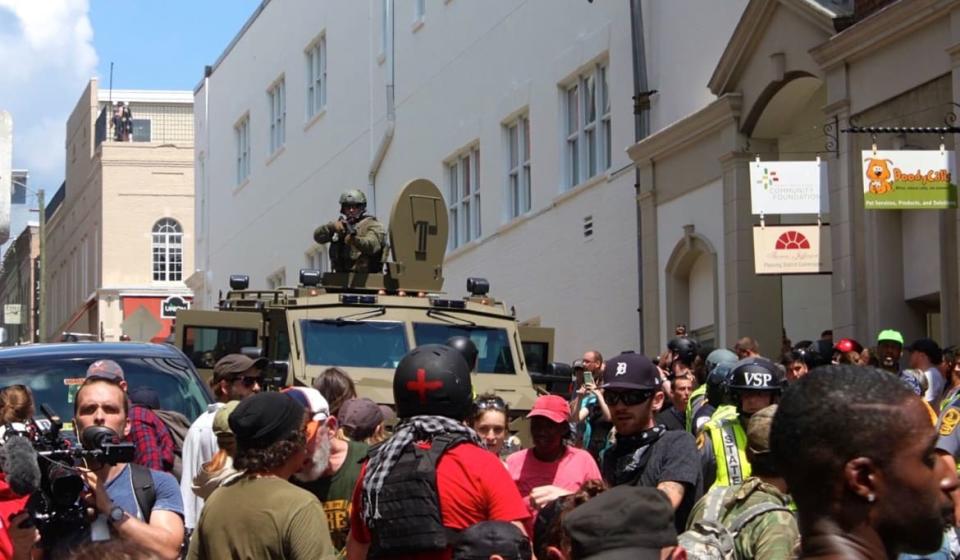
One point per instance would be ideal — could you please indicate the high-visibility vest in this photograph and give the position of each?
(729, 441)
(697, 398)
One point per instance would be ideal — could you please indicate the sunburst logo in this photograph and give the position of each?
(790, 240)
(768, 179)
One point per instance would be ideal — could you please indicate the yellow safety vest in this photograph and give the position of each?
(729, 441)
(697, 397)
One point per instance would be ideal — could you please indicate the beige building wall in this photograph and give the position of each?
(99, 240)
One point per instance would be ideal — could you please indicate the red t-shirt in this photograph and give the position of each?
(473, 487)
(10, 505)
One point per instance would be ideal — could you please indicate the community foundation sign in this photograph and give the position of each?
(791, 249)
(788, 187)
(909, 180)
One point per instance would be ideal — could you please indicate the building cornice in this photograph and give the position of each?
(749, 31)
(687, 131)
(880, 28)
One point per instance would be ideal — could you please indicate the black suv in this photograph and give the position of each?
(54, 373)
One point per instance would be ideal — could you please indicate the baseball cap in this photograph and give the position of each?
(311, 400)
(630, 370)
(578, 364)
(362, 416)
(552, 407)
(487, 538)
(221, 424)
(758, 430)
(105, 369)
(927, 346)
(236, 363)
(623, 523)
(891, 336)
(145, 396)
(263, 419)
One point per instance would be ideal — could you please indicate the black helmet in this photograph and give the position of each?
(685, 348)
(434, 380)
(467, 349)
(809, 355)
(756, 374)
(717, 381)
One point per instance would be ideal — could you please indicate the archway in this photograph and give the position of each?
(692, 287)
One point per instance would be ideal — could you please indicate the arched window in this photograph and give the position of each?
(167, 251)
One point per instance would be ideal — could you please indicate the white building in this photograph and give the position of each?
(520, 111)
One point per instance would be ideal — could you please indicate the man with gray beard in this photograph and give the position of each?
(332, 467)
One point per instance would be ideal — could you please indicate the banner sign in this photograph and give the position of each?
(791, 249)
(12, 314)
(908, 180)
(789, 187)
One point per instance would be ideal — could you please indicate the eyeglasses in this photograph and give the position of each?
(248, 380)
(495, 403)
(628, 398)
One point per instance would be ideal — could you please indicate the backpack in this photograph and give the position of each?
(143, 489)
(178, 425)
(709, 539)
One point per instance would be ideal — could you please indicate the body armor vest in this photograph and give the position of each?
(410, 520)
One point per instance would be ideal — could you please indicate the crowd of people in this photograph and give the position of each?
(831, 451)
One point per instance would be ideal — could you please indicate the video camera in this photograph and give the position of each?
(40, 462)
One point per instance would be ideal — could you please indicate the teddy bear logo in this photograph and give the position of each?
(878, 175)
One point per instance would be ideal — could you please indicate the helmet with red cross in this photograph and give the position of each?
(433, 379)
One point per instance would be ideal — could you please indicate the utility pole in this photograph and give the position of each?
(42, 300)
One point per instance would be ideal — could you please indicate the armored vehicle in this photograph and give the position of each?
(366, 322)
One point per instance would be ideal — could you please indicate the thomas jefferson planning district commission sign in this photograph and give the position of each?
(791, 249)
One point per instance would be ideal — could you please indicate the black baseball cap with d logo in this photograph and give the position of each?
(631, 371)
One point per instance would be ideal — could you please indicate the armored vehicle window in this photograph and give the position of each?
(373, 344)
(535, 354)
(492, 344)
(205, 345)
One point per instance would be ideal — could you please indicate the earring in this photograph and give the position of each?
(871, 497)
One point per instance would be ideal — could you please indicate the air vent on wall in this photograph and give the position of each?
(588, 227)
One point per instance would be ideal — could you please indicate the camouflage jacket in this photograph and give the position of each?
(772, 535)
(360, 253)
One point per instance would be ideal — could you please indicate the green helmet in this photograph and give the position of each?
(353, 197)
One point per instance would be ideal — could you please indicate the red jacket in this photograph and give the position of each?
(10, 505)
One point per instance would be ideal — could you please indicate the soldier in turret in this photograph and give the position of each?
(357, 240)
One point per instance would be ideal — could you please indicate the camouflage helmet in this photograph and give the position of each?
(353, 197)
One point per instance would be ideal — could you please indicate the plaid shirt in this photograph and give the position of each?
(152, 439)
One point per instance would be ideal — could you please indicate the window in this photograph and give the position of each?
(205, 345)
(277, 280)
(141, 130)
(241, 132)
(419, 10)
(493, 344)
(278, 115)
(317, 76)
(587, 126)
(370, 344)
(518, 165)
(463, 188)
(167, 251)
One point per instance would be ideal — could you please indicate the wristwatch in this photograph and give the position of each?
(116, 515)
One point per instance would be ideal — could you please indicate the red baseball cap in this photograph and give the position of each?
(551, 406)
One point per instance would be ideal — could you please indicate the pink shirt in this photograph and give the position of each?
(570, 472)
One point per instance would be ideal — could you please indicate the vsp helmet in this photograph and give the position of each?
(719, 356)
(467, 349)
(433, 379)
(685, 348)
(755, 374)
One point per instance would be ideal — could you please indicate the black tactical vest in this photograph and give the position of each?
(410, 519)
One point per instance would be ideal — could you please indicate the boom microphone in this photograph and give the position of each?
(19, 463)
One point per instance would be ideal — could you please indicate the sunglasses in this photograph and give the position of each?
(490, 404)
(628, 398)
(249, 380)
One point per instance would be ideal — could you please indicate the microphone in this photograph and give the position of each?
(19, 463)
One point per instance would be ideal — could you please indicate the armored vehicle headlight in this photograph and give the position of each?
(239, 281)
(478, 286)
(309, 277)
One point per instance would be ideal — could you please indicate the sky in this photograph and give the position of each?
(51, 48)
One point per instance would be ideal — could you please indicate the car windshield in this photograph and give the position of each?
(493, 345)
(372, 344)
(55, 381)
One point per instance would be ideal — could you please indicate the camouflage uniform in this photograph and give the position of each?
(771, 535)
(360, 253)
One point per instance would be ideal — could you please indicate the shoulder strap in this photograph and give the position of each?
(715, 499)
(754, 511)
(143, 489)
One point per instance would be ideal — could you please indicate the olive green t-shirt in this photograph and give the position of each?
(335, 493)
(263, 519)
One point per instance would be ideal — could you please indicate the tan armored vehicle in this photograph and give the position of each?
(365, 323)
